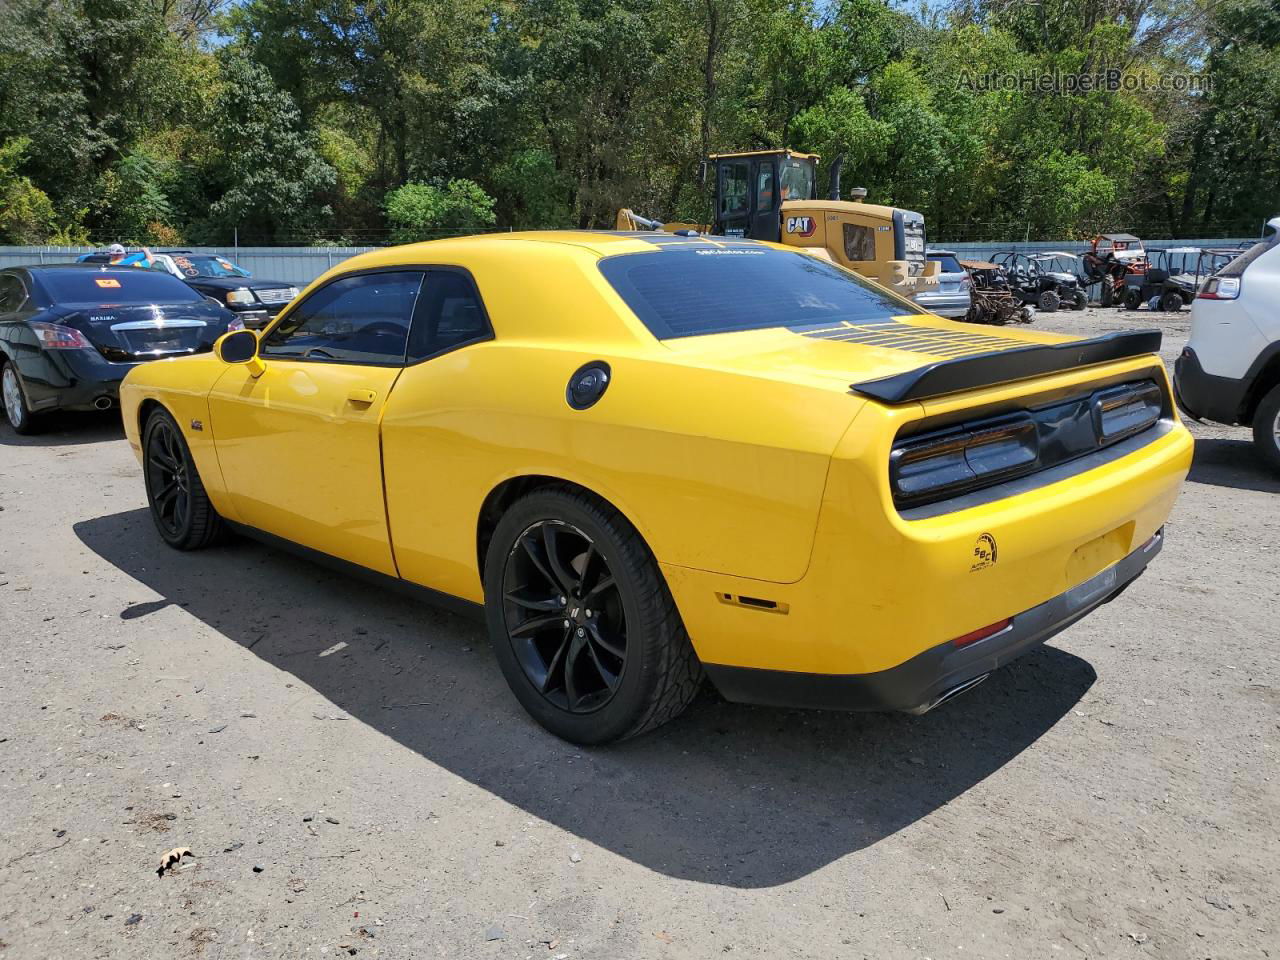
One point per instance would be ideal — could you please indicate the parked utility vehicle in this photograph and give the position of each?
(1229, 371)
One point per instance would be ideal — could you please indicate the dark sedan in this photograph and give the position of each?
(69, 333)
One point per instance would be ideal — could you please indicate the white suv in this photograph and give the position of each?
(1229, 371)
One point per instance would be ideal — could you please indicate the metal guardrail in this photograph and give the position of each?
(301, 265)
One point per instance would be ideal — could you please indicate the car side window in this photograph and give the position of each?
(449, 314)
(12, 293)
(359, 319)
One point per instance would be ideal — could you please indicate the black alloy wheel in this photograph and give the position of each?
(179, 506)
(167, 480)
(582, 622)
(564, 616)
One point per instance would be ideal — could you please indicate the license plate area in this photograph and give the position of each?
(1092, 590)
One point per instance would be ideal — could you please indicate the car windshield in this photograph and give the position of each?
(726, 287)
(797, 180)
(114, 286)
(947, 263)
(206, 265)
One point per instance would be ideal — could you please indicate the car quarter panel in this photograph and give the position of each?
(717, 470)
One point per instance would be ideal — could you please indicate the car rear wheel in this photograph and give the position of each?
(1266, 429)
(1048, 301)
(180, 508)
(16, 410)
(1171, 301)
(582, 623)
(1132, 298)
(1081, 299)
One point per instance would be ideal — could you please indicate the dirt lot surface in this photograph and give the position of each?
(353, 777)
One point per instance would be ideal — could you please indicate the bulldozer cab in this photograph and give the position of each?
(750, 188)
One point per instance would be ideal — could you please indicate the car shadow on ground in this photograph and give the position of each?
(726, 794)
(1231, 463)
(67, 429)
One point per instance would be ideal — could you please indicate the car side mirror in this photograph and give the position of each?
(241, 347)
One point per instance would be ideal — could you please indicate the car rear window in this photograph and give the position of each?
(723, 287)
(114, 286)
(949, 263)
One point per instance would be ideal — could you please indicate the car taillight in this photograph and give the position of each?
(966, 283)
(1127, 410)
(939, 467)
(54, 336)
(235, 323)
(1220, 288)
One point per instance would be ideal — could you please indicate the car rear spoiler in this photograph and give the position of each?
(1004, 366)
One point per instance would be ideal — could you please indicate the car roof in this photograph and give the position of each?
(939, 253)
(1052, 254)
(600, 243)
(1118, 236)
(81, 265)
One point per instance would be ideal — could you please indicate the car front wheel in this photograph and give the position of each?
(16, 410)
(1266, 429)
(582, 623)
(179, 505)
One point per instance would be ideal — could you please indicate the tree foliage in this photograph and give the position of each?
(300, 120)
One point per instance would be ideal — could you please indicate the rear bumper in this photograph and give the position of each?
(73, 380)
(945, 304)
(927, 678)
(1203, 396)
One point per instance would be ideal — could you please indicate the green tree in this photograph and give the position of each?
(424, 211)
(269, 180)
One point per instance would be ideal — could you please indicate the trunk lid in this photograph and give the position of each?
(837, 355)
(125, 333)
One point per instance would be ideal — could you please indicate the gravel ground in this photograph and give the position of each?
(352, 776)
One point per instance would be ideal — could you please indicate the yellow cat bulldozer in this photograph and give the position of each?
(772, 195)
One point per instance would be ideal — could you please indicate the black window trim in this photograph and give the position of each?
(424, 269)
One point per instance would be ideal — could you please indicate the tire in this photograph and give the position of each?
(14, 398)
(1081, 299)
(589, 674)
(1266, 429)
(1132, 298)
(1106, 295)
(1048, 301)
(1171, 301)
(179, 505)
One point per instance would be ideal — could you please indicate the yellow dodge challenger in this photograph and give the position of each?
(651, 458)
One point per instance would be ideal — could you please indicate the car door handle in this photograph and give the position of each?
(361, 396)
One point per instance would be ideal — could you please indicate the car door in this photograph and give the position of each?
(299, 445)
(429, 448)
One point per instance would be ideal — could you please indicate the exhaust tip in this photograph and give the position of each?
(102, 403)
(946, 695)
